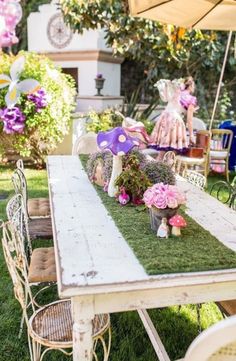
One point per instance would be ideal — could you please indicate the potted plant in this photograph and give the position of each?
(163, 201)
(99, 82)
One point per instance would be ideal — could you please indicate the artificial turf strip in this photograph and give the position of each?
(195, 250)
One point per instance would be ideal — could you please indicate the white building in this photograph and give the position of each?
(82, 56)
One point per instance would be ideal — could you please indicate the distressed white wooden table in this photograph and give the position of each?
(99, 271)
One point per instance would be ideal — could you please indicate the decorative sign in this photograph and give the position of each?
(58, 33)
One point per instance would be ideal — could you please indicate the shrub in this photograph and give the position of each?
(149, 125)
(158, 172)
(103, 121)
(133, 180)
(141, 158)
(38, 121)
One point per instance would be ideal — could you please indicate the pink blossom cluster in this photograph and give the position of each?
(10, 15)
(162, 196)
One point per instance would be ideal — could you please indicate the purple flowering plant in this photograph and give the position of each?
(36, 103)
(39, 98)
(14, 118)
(99, 76)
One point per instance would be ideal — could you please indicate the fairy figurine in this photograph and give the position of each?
(163, 229)
(169, 132)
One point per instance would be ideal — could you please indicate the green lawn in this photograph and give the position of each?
(129, 339)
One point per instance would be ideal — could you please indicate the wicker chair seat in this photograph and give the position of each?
(38, 207)
(226, 353)
(42, 266)
(40, 228)
(52, 325)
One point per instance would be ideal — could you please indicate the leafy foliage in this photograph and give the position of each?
(28, 6)
(133, 179)
(103, 121)
(165, 51)
(131, 108)
(44, 129)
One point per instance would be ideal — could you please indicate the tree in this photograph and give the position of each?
(28, 6)
(164, 50)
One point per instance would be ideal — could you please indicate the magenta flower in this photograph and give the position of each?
(13, 120)
(163, 196)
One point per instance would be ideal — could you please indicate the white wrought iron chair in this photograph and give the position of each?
(217, 343)
(20, 165)
(39, 226)
(86, 144)
(40, 262)
(195, 178)
(170, 159)
(49, 327)
(36, 207)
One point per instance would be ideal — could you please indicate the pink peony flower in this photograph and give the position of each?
(160, 201)
(149, 197)
(172, 202)
(163, 196)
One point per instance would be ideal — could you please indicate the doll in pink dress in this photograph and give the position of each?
(169, 132)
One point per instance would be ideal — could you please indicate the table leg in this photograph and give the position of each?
(83, 314)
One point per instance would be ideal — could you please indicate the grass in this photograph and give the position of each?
(129, 340)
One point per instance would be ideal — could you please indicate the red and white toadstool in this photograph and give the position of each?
(177, 222)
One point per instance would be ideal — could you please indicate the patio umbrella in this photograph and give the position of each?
(197, 14)
(200, 14)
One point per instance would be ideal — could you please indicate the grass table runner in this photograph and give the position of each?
(195, 250)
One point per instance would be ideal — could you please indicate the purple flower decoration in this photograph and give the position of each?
(99, 76)
(39, 99)
(13, 120)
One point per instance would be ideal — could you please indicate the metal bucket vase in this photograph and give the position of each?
(156, 216)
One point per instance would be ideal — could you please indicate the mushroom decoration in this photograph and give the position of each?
(177, 222)
(119, 143)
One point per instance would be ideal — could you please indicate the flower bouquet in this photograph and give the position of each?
(163, 201)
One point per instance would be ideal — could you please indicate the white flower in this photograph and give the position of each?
(17, 87)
